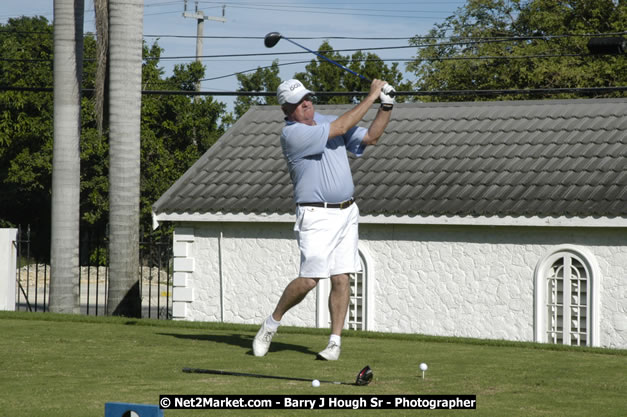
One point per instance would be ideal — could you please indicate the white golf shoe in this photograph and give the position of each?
(331, 353)
(261, 344)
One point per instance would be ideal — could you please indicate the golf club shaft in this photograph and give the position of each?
(218, 372)
(329, 60)
(272, 38)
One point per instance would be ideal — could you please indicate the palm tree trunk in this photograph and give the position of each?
(125, 60)
(67, 72)
(101, 12)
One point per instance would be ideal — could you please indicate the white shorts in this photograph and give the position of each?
(327, 239)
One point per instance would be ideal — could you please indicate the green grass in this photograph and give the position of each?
(61, 365)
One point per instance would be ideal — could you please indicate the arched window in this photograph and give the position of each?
(566, 298)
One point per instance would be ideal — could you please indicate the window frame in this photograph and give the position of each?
(588, 261)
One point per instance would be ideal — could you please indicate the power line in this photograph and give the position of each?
(264, 54)
(350, 12)
(302, 8)
(397, 38)
(334, 8)
(497, 57)
(26, 59)
(206, 57)
(28, 32)
(529, 91)
(466, 58)
(451, 58)
(470, 42)
(407, 38)
(253, 69)
(37, 59)
(381, 48)
(335, 3)
(449, 93)
(379, 38)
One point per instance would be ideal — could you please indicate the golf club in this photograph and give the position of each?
(273, 38)
(363, 377)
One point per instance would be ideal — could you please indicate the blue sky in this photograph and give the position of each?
(294, 19)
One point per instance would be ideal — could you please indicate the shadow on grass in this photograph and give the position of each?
(244, 341)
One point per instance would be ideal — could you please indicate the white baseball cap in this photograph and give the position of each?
(291, 91)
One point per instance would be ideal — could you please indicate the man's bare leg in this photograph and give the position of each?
(338, 301)
(293, 294)
(338, 305)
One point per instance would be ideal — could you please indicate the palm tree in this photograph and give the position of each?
(125, 70)
(67, 73)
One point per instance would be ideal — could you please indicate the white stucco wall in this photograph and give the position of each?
(471, 281)
(246, 266)
(479, 281)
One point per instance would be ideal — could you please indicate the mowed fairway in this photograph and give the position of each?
(58, 365)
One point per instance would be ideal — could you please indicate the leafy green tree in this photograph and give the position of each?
(26, 46)
(175, 131)
(264, 79)
(447, 58)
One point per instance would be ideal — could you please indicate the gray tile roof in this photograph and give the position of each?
(545, 158)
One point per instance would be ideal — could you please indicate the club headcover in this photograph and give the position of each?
(364, 376)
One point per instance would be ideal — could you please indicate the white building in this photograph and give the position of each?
(500, 220)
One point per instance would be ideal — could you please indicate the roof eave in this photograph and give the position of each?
(500, 221)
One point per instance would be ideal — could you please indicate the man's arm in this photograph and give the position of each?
(377, 127)
(349, 119)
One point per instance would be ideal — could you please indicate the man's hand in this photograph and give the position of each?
(387, 101)
(376, 87)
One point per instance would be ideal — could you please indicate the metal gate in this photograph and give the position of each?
(155, 275)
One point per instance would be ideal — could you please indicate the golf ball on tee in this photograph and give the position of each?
(315, 383)
(423, 367)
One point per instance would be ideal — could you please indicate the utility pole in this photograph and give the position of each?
(200, 17)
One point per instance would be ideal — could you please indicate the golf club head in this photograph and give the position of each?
(271, 39)
(364, 376)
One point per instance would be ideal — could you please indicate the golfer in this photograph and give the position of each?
(315, 146)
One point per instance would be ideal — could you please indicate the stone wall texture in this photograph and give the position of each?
(469, 281)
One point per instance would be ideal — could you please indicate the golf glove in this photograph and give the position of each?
(387, 101)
